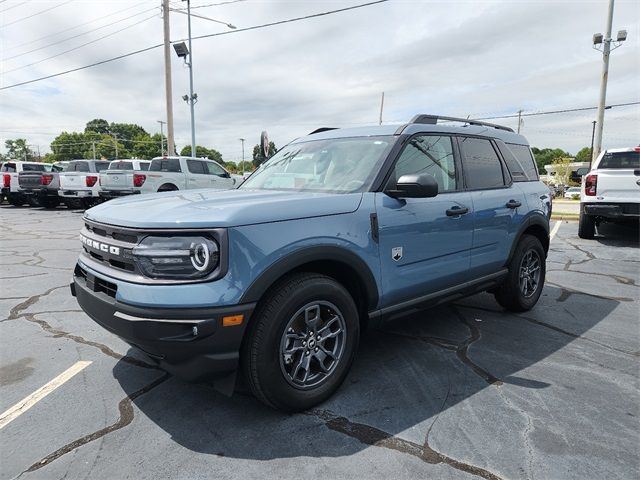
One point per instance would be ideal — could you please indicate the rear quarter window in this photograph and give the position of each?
(481, 164)
(620, 160)
(8, 167)
(519, 160)
(144, 166)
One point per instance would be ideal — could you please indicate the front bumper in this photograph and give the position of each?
(109, 194)
(190, 343)
(613, 211)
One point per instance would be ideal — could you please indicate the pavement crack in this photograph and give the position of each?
(566, 292)
(373, 436)
(16, 311)
(125, 408)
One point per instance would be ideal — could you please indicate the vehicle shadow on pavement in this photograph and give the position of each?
(618, 235)
(405, 375)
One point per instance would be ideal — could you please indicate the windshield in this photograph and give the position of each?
(339, 165)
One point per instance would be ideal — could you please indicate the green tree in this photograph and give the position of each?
(563, 170)
(18, 149)
(584, 155)
(147, 146)
(258, 155)
(98, 125)
(231, 166)
(126, 133)
(203, 152)
(69, 146)
(546, 156)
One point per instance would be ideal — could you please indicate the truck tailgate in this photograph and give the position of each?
(618, 185)
(72, 180)
(116, 179)
(30, 180)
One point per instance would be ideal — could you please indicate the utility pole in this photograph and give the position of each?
(606, 50)
(93, 147)
(167, 76)
(115, 137)
(519, 119)
(192, 98)
(593, 132)
(381, 108)
(242, 140)
(161, 137)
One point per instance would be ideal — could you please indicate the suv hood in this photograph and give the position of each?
(219, 208)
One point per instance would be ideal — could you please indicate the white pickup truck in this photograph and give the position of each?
(186, 173)
(79, 187)
(611, 190)
(123, 177)
(10, 172)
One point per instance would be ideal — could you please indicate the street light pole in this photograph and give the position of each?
(606, 50)
(242, 140)
(192, 98)
(593, 132)
(161, 137)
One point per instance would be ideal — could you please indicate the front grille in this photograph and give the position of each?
(96, 284)
(120, 237)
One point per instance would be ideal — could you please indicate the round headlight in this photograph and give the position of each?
(184, 257)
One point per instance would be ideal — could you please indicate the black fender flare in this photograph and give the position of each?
(296, 259)
(537, 219)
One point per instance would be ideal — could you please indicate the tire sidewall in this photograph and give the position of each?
(528, 243)
(272, 379)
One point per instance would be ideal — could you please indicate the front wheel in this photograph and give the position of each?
(522, 288)
(50, 202)
(301, 343)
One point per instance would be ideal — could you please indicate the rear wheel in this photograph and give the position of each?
(50, 202)
(16, 200)
(301, 343)
(73, 203)
(33, 201)
(522, 288)
(586, 225)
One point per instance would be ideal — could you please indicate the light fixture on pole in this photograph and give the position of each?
(605, 41)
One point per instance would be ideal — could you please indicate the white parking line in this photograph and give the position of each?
(29, 401)
(556, 227)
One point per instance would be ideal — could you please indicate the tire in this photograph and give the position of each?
(16, 200)
(510, 294)
(50, 202)
(280, 380)
(33, 202)
(586, 225)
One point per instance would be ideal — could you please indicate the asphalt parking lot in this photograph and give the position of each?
(461, 391)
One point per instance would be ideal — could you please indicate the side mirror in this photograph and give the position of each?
(415, 186)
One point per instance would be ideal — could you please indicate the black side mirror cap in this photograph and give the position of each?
(415, 186)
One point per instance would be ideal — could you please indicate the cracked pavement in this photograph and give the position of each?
(461, 391)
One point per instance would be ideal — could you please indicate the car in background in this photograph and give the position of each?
(187, 173)
(79, 187)
(123, 177)
(610, 192)
(10, 172)
(41, 188)
(572, 192)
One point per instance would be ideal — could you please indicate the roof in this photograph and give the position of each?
(411, 128)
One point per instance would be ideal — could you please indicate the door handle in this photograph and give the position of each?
(513, 204)
(455, 211)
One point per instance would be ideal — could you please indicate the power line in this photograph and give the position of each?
(16, 5)
(34, 14)
(81, 46)
(66, 30)
(551, 112)
(142, 50)
(80, 34)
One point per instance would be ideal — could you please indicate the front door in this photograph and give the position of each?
(424, 242)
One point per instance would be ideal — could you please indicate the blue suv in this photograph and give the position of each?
(273, 282)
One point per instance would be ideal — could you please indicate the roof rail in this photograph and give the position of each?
(323, 129)
(433, 120)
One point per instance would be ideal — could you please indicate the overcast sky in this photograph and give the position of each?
(478, 58)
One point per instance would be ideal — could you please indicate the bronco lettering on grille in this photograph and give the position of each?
(103, 247)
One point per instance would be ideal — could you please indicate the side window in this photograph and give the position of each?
(195, 166)
(100, 166)
(215, 169)
(523, 157)
(432, 154)
(173, 165)
(482, 167)
(165, 165)
(144, 166)
(9, 167)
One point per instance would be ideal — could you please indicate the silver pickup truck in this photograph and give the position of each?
(187, 173)
(41, 188)
(10, 171)
(123, 177)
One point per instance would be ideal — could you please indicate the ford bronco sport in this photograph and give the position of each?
(340, 228)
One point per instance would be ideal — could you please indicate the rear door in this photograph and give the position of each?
(425, 242)
(198, 176)
(499, 204)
